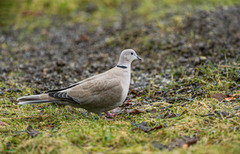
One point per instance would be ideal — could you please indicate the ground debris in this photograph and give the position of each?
(182, 142)
(2, 123)
(135, 111)
(221, 113)
(171, 115)
(218, 114)
(125, 110)
(236, 108)
(181, 68)
(232, 97)
(219, 96)
(144, 127)
(129, 103)
(31, 132)
(41, 112)
(9, 145)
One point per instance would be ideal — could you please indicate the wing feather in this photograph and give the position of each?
(78, 83)
(96, 91)
(62, 96)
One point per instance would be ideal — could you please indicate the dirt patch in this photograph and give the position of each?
(59, 55)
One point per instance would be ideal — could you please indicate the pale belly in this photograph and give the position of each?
(104, 104)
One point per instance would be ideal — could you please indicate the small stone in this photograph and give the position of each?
(236, 108)
(203, 58)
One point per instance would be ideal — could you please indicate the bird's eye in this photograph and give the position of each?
(131, 53)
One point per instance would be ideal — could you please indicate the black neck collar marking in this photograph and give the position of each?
(121, 66)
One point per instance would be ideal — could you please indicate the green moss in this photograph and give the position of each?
(66, 129)
(33, 13)
(70, 130)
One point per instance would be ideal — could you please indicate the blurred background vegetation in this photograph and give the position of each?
(190, 49)
(33, 13)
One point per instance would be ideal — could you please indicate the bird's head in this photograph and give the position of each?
(127, 56)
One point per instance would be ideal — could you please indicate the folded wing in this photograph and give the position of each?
(99, 92)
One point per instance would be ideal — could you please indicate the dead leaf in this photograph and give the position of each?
(32, 13)
(50, 126)
(236, 95)
(45, 70)
(218, 96)
(184, 146)
(232, 97)
(183, 142)
(222, 113)
(135, 111)
(227, 66)
(144, 127)
(117, 110)
(124, 133)
(9, 145)
(229, 99)
(134, 92)
(159, 146)
(157, 127)
(171, 115)
(41, 112)
(128, 103)
(31, 132)
(3, 123)
(83, 38)
(152, 111)
(236, 108)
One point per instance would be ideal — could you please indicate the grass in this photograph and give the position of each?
(70, 130)
(42, 13)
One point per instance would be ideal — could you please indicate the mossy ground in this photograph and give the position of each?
(67, 130)
(215, 124)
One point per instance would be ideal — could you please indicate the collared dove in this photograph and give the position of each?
(97, 94)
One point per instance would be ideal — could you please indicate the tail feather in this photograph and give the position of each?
(35, 102)
(35, 99)
(31, 97)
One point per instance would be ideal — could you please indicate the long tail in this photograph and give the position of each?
(35, 99)
(35, 102)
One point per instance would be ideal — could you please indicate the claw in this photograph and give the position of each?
(110, 115)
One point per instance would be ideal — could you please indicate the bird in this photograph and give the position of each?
(97, 94)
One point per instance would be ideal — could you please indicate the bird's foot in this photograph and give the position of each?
(110, 115)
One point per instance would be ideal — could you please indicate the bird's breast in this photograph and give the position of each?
(125, 82)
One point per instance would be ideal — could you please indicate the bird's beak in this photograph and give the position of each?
(139, 58)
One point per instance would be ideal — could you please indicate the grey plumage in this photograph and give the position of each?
(34, 102)
(97, 94)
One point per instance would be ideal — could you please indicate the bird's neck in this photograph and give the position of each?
(124, 64)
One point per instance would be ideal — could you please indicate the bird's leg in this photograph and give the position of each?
(111, 115)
